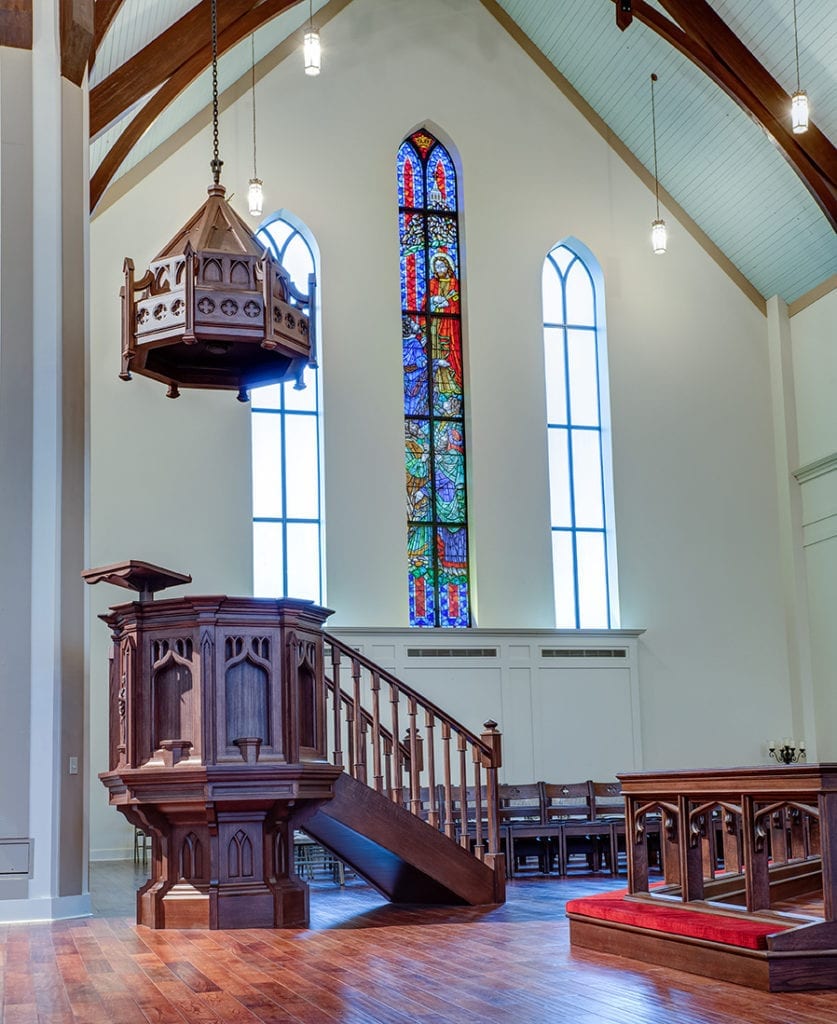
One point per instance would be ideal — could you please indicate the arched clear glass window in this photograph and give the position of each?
(287, 489)
(578, 433)
(434, 422)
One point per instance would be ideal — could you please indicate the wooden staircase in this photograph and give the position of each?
(399, 854)
(414, 839)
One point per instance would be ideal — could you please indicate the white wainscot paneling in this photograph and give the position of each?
(584, 723)
(566, 702)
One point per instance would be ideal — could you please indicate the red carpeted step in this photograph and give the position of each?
(694, 924)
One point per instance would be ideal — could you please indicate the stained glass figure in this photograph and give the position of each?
(437, 530)
(414, 336)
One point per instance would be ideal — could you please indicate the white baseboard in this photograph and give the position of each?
(118, 853)
(54, 908)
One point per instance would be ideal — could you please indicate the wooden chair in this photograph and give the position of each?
(571, 805)
(608, 805)
(522, 819)
(142, 845)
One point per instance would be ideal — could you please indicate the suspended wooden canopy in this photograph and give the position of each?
(215, 310)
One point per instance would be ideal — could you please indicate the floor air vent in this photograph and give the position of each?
(584, 652)
(451, 652)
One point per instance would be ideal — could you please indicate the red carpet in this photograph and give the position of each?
(675, 920)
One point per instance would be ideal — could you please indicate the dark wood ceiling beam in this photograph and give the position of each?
(16, 24)
(708, 42)
(76, 26)
(103, 14)
(185, 74)
(158, 61)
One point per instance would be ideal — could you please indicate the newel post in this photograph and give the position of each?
(492, 759)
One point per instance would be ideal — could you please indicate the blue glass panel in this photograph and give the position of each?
(452, 559)
(446, 350)
(410, 177)
(413, 282)
(441, 180)
(454, 607)
(415, 365)
(417, 461)
(449, 471)
(442, 240)
(422, 578)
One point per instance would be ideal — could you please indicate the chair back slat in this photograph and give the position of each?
(568, 800)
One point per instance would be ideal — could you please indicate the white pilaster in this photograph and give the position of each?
(786, 451)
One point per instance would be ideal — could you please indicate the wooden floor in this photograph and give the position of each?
(362, 961)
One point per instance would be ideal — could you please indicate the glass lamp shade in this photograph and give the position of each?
(255, 197)
(311, 52)
(659, 236)
(799, 112)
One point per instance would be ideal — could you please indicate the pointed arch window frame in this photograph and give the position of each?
(583, 512)
(439, 577)
(277, 402)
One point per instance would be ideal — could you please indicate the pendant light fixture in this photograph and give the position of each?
(659, 235)
(215, 309)
(255, 193)
(311, 45)
(799, 100)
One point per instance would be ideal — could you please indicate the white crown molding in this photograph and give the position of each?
(827, 464)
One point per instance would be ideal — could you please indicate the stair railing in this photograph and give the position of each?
(406, 770)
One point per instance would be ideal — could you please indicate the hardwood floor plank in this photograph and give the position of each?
(363, 962)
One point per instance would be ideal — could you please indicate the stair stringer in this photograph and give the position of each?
(404, 858)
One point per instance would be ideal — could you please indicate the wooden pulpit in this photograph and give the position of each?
(217, 735)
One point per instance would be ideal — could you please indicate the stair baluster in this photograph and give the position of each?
(351, 712)
(450, 824)
(430, 745)
(464, 838)
(479, 845)
(415, 767)
(398, 765)
(359, 739)
(338, 706)
(376, 733)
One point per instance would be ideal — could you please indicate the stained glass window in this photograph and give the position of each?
(437, 528)
(583, 553)
(287, 520)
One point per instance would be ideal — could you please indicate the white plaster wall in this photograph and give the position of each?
(695, 495)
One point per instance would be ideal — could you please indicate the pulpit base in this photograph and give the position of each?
(283, 904)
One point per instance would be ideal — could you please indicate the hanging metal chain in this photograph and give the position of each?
(217, 163)
(654, 135)
(253, 89)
